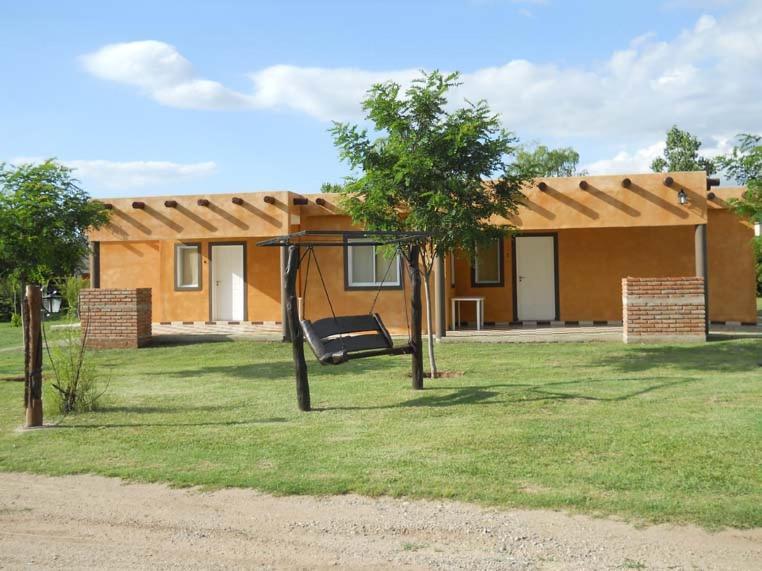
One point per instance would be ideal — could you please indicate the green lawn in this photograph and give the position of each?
(651, 433)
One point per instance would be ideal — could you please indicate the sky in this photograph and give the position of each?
(160, 98)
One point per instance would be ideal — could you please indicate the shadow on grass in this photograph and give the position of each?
(516, 394)
(144, 409)
(284, 370)
(101, 426)
(158, 341)
(717, 356)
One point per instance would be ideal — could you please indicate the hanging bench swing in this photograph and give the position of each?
(337, 339)
(340, 338)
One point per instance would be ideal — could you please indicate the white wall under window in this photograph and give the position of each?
(367, 266)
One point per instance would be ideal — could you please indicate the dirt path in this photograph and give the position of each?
(94, 522)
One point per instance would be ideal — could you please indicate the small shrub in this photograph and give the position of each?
(70, 288)
(77, 385)
(15, 319)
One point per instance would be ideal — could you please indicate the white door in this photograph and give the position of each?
(227, 282)
(535, 278)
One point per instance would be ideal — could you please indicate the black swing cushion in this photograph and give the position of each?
(335, 340)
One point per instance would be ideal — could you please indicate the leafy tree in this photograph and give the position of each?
(682, 154)
(542, 161)
(44, 216)
(331, 187)
(430, 168)
(744, 164)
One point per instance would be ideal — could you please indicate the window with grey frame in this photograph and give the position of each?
(488, 264)
(187, 267)
(369, 267)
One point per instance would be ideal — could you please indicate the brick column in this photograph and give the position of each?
(116, 318)
(663, 310)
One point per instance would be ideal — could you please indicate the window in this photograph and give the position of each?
(368, 266)
(187, 266)
(488, 264)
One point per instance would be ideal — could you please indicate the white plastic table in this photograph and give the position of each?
(456, 301)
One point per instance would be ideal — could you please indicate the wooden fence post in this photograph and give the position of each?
(295, 330)
(415, 311)
(32, 308)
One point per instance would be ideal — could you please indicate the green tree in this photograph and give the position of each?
(682, 154)
(44, 216)
(430, 168)
(331, 187)
(542, 161)
(744, 165)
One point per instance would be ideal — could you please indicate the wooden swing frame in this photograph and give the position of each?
(293, 243)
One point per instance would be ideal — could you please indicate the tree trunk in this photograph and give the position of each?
(415, 311)
(33, 356)
(429, 323)
(295, 330)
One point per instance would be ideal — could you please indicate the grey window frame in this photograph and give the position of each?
(176, 266)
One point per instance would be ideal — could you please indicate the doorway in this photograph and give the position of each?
(228, 282)
(535, 274)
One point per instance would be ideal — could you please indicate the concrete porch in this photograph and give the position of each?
(528, 333)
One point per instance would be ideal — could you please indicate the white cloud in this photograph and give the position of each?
(324, 93)
(161, 72)
(98, 175)
(640, 159)
(629, 162)
(706, 80)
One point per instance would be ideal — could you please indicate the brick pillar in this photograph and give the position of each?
(116, 318)
(663, 310)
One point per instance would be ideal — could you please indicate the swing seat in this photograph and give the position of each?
(336, 340)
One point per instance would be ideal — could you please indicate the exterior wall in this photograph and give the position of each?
(220, 220)
(116, 318)
(605, 203)
(663, 310)
(151, 264)
(731, 268)
(390, 304)
(591, 265)
(605, 232)
(131, 265)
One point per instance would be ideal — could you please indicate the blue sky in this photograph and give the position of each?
(182, 97)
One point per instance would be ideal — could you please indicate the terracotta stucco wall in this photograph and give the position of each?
(187, 220)
(263, 283)
(151, 264)
(732, 272)
(605, 232)
(132, 265)
(605, 203)
(390, 304)
(591, 265)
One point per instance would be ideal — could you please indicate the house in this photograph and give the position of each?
(577, 238)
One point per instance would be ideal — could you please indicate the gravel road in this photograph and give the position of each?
(93, 522)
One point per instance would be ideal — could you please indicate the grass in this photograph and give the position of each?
(650, 433)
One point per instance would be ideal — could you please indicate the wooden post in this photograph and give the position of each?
(283, 295)
(415, 312)
(701, 268)
(440, 308)
(295, 330)
(95, 265)
(33, 356)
